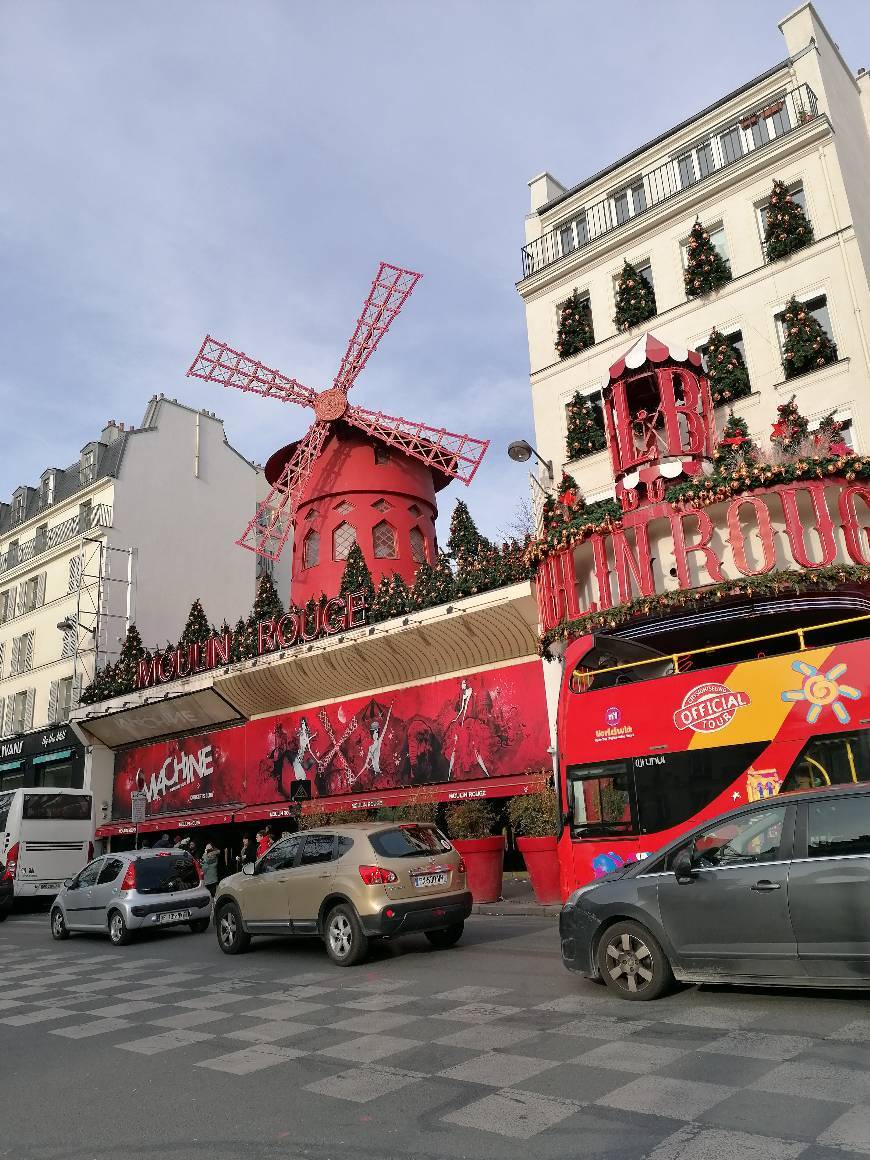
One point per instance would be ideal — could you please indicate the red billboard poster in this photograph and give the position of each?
(187, 773)
(479, 725)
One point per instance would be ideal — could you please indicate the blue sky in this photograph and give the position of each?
(241, 167)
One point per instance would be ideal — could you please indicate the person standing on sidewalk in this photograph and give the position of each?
(211, 868)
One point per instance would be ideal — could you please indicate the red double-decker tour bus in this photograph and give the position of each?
(651, 743)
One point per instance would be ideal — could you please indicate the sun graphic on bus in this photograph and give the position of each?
(821, 689)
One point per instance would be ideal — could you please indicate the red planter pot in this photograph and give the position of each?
(542, 862)
(484, 859)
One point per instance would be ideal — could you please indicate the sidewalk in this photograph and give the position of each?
(517, 901)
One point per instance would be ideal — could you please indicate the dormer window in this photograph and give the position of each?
(46, 490)
(88, 466)
(19, 505)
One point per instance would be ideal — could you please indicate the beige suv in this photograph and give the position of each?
(348, 884)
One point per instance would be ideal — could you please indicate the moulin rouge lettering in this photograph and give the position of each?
(337, 614)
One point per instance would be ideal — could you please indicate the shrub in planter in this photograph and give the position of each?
(534, 818)
(469, 825)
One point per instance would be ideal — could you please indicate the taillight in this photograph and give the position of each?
(376, 875)
(11, 863)
(129, 882)
(461, 867)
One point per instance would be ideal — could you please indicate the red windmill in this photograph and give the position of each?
(328, 462)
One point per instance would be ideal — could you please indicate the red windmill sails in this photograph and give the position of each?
(453, 455)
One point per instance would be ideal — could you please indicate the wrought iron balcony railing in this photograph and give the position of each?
(755, 129)
(85, 521)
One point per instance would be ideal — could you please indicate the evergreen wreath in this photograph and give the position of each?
(635, 299)
(786, 228)
(726, 370)
(575, 327)
(706, 269)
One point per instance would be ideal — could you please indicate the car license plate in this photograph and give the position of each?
(174, 916)
(49, 886)
(422, 880)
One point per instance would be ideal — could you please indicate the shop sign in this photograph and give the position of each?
(338, 614)
(42, 741)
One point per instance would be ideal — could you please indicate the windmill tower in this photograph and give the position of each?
(356, 476)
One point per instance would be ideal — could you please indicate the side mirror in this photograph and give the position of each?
(67, 882)
(682, 866)
(248, 868)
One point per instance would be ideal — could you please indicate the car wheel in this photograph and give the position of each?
(232, 938)
(346, 942)
(632, 963)
(449, 936)
(200, 925)
(58, 925)
(119, 935)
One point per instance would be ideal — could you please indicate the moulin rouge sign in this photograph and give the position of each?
(332, 616)
(660, 430)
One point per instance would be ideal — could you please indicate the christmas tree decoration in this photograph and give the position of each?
(434, 584)
(786, 228)
(635, 299)
(585, 428)
(827, 440)
(706, 269)
(132, 651)
(197, 630)
(568, 491)
(267, 602)
(805, 345)
(726, 370)
(735, 449)
(357, 577)
(464, 541)
(575, 327)
(380, 606)
(400, 595)
(791, 430)
(237, 652)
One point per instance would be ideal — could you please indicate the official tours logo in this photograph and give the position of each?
(710, 707)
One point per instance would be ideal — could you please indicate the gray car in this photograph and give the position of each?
(133, 890)
(774, 893)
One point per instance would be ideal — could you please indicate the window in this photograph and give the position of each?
(33, 593)
(706, 163)
(12, 554)
(418, 546)
(22, 653)
(797, 195)
(311, 549)
(40, 540)
(56, 807)
(311, 514)
(686, 168)
(629, 202)
(574, 234)
(384, 541)
(344, 508)
(88, 876)
(718, 239)
(736, 340)
(85, 516)
(731, 144)
(818, 308)
(75, 573)
(88, 466)
(7, 605)
(317, 848)
(68, 646)
(343, 539)
(46, 490)
(759, 133)
(414, 510)
(645, 271)
(60, 701)
(57, 774)
(381, 505)
(834, 759)
(19, 505)
(409, 842)
(22, 710)
(281, 856)
(382, 454)
(644, 795)
(166, 873)
(838, 827)
(779, 123)
(741, 841)
(111, 869)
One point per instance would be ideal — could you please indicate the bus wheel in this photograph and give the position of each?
(632, 963)
(58, 926)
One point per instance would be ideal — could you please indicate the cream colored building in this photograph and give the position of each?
(141, 524)
(805, 122)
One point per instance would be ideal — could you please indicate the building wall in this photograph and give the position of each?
(816, 155)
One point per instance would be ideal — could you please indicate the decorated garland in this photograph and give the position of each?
(827, 579)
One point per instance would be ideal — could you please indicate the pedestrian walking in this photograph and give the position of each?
(162, 842)
(246, 854)
(211, 868)
(264, 841)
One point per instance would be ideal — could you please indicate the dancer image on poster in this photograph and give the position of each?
(273, 763)
(305, 758)
(373, 756)
(465, 735)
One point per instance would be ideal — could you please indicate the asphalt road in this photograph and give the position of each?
(489, 1050)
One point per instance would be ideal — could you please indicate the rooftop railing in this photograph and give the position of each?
(99, 516)
(755, 129)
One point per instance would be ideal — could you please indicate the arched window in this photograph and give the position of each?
(343, 539)
(384, 540)
(418, 546)
(311, 549)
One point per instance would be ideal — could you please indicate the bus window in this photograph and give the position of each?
(835, 759)
(673, 787)
(601, 798)
(55, 807)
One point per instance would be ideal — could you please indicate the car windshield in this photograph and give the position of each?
(166, 873)
(409, 842)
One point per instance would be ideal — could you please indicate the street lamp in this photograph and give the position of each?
(521, 451)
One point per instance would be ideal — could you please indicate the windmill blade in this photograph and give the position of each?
(219, 363)
(389, 293)
(267, 532)
(456, 455)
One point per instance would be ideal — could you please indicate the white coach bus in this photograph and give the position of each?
(46, 836)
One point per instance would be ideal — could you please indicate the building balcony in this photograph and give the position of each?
(756, 128)
(99, 516)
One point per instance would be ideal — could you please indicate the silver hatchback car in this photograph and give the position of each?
(125, 892)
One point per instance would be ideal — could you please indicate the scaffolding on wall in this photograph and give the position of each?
(105, 607)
